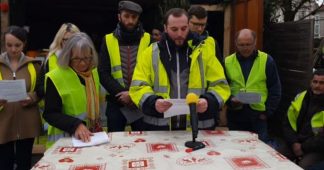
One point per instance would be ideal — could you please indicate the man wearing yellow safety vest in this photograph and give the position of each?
(255, 86)
(117, 60)
(198, 17)
(173, 67)
(303, 126)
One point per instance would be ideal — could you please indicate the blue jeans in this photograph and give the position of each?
(116, 121)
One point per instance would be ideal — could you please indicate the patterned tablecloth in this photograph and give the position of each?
(165, 150)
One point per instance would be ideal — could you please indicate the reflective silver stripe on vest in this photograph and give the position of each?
(218, 97)
(155, 62)
(203, 124)
(139, 83)
(143, 99)
(161, 89)
(53, 138)
(221, 81)
(116, 68)
(317, 130)
(156, 121)
(202, 72)
(197, 91)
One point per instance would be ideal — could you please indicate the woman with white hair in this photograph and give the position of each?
(72, 90)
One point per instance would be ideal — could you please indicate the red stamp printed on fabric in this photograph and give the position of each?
(67, 150)
(246, 162)
(215, 133)
(213, 153)
(208, 143)
(138, 164)
(66, 159)
(138, 140)
(160, 147)
(194, 159)
(88, 167)
(249, 141)
(42, 165)
(135, 133)
(119, 147)
(278, 156)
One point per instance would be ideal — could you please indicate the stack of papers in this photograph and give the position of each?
(97, 139)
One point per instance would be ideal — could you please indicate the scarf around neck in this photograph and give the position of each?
(92, 101)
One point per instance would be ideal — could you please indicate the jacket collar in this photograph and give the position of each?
(4, 59)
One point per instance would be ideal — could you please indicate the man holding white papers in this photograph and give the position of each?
(255, 86)
(173, 67)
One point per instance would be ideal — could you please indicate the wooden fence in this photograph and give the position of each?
(291, 46)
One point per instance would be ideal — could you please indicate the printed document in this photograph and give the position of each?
(13, 90)
(97, 139)
(179, 107)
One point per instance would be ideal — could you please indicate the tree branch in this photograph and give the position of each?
(312, 13)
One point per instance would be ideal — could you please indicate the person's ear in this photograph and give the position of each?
(119, 19)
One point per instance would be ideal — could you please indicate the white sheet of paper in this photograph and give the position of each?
(13, 90)
(179, 107)
(97, 139)
(249, 97)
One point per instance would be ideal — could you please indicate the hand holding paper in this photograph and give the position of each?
(96, 139)
(83, 133)
(179, 107)
(13, 90)
(162, 105)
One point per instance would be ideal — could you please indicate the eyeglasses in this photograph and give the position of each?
(84, 59)
(196, 24)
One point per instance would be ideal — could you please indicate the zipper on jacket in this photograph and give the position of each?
(14, 75)
(129, 77)
(178, 86)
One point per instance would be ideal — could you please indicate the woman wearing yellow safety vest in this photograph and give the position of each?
(63, 34)
(19, 120)
(72, 89)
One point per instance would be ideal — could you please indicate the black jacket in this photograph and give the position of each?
(304, 135)
(104, 66)
(53, 110)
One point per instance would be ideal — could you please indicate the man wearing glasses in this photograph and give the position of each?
(255, 86)
(197, 24)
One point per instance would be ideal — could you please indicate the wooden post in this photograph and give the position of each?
(4, 17)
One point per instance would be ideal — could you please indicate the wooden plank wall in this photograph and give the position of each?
(247, 14)
(291, 45)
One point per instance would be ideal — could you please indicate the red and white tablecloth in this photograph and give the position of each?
(165, 150)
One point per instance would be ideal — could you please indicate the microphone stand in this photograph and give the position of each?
(194, 145)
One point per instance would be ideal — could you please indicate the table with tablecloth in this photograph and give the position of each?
(165, 150)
